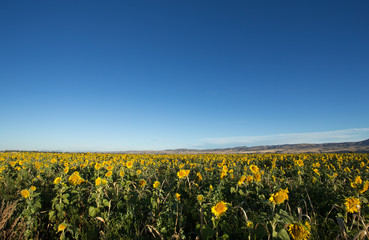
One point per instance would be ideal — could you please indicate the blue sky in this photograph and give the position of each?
(129, 75)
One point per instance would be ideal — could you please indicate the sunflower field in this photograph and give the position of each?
(202, 196)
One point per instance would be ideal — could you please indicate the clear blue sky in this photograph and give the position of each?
(119, 75)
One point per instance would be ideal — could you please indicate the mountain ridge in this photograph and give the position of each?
(340, 147)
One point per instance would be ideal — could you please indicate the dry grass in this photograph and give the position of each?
(9, 228)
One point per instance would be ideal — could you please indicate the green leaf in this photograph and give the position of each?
(60, 215)
(207, 233)
(52, 216)
(93, 195)
(59, 207)
(283, 234)
(92, 211)
(286, 217)
(224, 237)
(154, 202)
(120, 205)
(37, 205)
(36, 194)
(106, 202)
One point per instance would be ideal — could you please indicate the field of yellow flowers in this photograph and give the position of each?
(203, 196)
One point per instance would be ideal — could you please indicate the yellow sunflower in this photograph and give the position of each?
(156, 184)
(254, 169)
(352, 204)
(219, 209)
(183, 173)
(178, 196)
(279, 197)
(61, 227)
(298, 231)
(25, 193)
(57, 180)
(142, 183)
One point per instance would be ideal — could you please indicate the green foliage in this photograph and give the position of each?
(113, 196)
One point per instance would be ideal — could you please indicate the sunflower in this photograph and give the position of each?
(178, 196)
(298, 231)
(223, 174)
(357, 182)
(352, 204)
(109, 168)
(98, 181)
(156, 184)
(299, 163)
(254, 169)
(249, 178)
(97, 166)
(75, 179)
(57, 180)
(365, 187)
(257, 177)
(279, 197)
(142, 183)
(219, 209)
(129, 164)
(25, 193)
(242, 179)
(198, 177)
(183, 173)
(61, 227)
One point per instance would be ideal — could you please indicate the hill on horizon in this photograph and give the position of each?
(342, 147)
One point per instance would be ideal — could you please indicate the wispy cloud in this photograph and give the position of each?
(346, 135)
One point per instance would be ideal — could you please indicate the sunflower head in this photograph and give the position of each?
(156, 184)
(357, 182)
(352, 204)
(183, 173)
(74, 179)
(279, 197)
(129, 164)
(254, 169)
(299, 231)
(142, 183)
(219, 209)
(25, 193)
(178, 197)
(98, 181)
(61, 227)
(57, 180)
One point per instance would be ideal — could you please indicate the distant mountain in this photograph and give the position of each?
(344, 147)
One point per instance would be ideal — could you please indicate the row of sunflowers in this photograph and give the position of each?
(203, 196)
